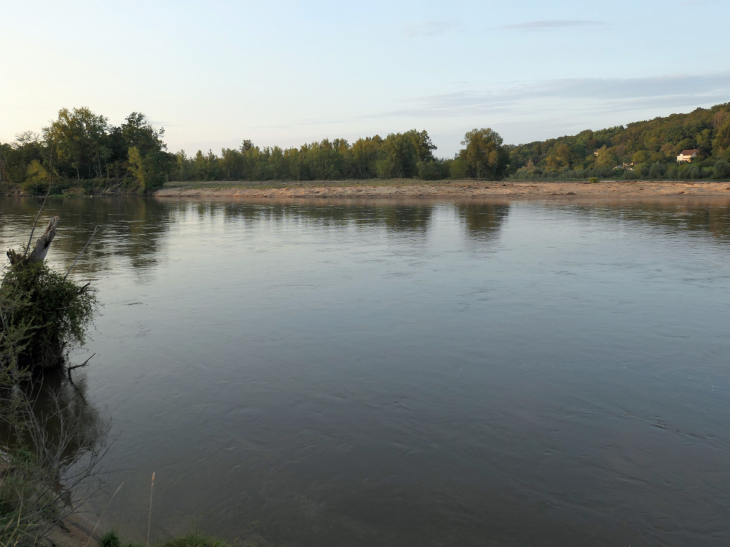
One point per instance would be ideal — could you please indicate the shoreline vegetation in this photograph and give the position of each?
(52, 440)
(81, 153)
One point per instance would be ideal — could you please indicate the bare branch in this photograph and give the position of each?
(81, 365)
(82, 252)
(30, 239)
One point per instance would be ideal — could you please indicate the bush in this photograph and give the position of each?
(43, 315)
(110, 539)
(459, 169)
(384, 168)
(429, 170)
(721, 170)
(657, 170)
(593, 180)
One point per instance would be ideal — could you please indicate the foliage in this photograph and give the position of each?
(594, 180)
(484, 154)
(26, 501)
(45, 429)
(81, 149)
(42, 315)
(721, 170)
(83, 146)
(459, 169)
(402, 155)
(645, 149)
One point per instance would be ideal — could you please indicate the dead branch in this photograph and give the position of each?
(35, 222)
(83, 289)
(44, 242)
(81, 365)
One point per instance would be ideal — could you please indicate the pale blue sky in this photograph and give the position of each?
(287, 72)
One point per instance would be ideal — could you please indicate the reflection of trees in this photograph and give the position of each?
(68, 427)
(55, 441)
(129, 228)
(483, 220)
(53, 419)
(691, 216)
(393, 217)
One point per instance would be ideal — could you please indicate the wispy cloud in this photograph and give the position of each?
(429, 28)
(555, 24)
(571, 95)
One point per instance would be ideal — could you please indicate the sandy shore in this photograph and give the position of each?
(451, 190)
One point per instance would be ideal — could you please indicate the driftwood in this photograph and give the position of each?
(41, 246)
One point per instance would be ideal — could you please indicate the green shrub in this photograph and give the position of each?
(43, 315)
(721, 170)
(385, 168)
(110, 539)
(429, 170)
(459, 169)
(593, 180)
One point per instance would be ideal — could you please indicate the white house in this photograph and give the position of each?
(687, 155)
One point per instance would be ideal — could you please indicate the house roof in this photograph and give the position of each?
(688, 152)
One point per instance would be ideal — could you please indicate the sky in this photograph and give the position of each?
(288, 72)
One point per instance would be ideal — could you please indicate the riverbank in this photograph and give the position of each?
(446, 189)
(405, 188)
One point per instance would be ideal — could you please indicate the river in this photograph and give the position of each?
(330, 373)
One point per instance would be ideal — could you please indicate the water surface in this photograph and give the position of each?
(328, 373)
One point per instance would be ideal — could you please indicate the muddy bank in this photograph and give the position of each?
(453, 190)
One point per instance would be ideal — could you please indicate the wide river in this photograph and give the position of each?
(327, 373)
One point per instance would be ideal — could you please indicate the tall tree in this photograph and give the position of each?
(77, 138)
(484, 154)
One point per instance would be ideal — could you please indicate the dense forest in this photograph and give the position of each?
(80, 152)
(646, 150)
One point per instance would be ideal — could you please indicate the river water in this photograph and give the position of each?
(333, 373)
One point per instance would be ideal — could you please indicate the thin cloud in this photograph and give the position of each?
(551, 25)
(429, 29)
(589, 94)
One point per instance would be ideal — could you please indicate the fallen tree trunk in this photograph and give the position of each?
(41, 246)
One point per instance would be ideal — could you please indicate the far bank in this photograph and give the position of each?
(418, 189)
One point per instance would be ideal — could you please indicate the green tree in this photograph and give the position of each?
(484, 154)
(137, 167)
(77, 138)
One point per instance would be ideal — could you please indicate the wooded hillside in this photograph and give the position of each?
(646, 149)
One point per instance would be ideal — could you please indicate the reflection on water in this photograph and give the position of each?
(72, 426)
(410, 373)
(51, 418)
(483, 220)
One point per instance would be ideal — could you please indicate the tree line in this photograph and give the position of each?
(80, 149)
(641, 150)
(82, 146)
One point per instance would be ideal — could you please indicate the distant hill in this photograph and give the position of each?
(646, 149)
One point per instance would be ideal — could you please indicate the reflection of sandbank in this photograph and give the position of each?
(440, 190)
